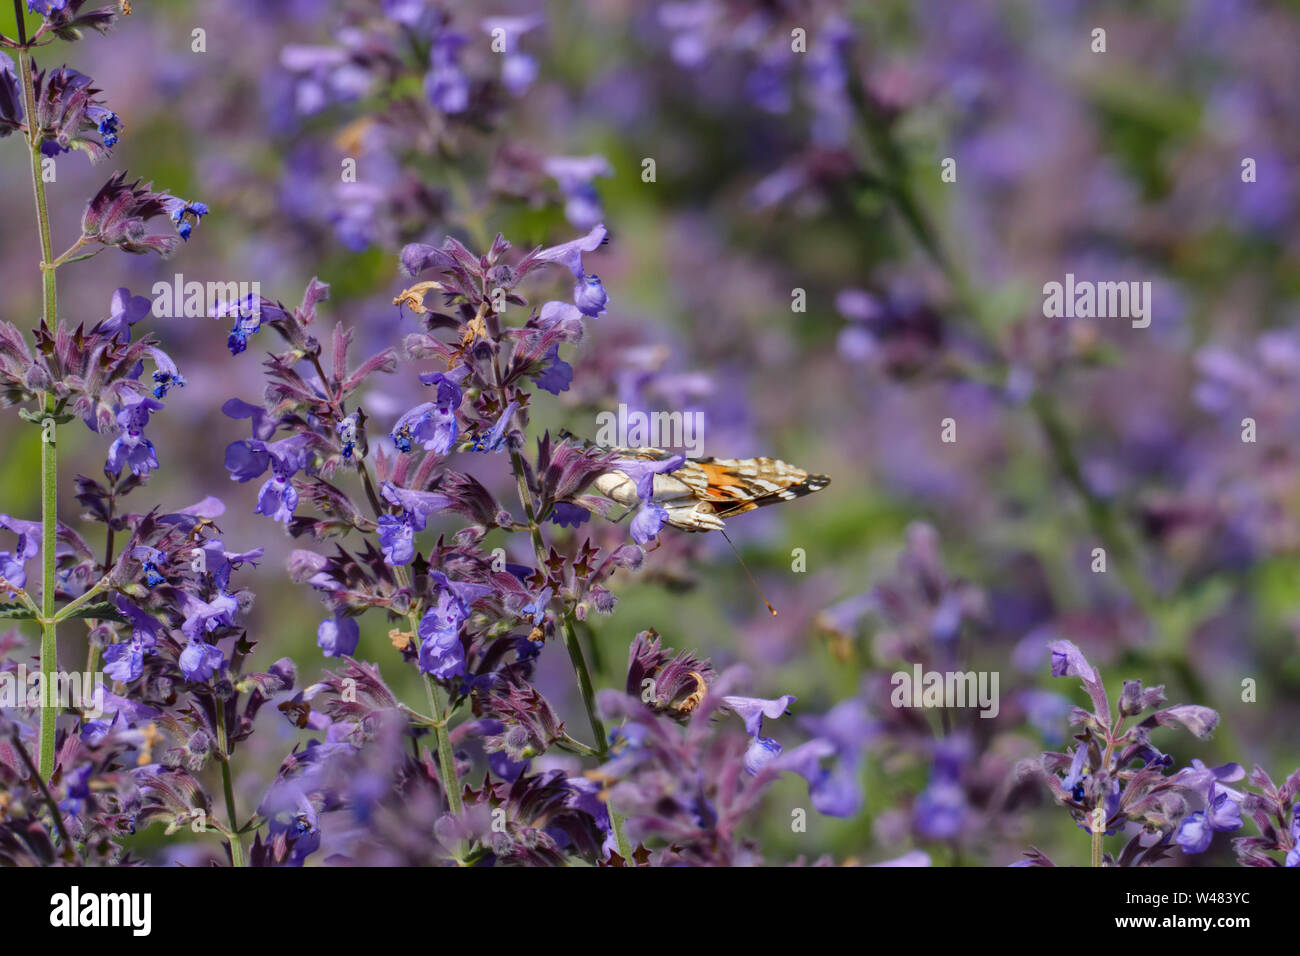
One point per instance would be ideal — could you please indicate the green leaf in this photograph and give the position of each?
(38, 418)
(100, 611)
(15, 612)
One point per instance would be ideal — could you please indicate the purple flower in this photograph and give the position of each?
(347, 432)
(186, 215)
(117, 214)
(441, 653)
(518, 70)
(433, 424)
(1197, 829)
(557, 375)
(131, 447)
(202, 617)
(446, 85)
(249, 313)
(575, 175)
(338, 636)
(246, 460)
(589, 295)
(538, 607)
(651, 516)
(760, 753)
(568, 516)
(13, 565)
(200, 660)
(166, 376)
(569, 254)
(125, 661)
(495, 440)
(124, 311)
(833, 791)
(752, 710)
(397, 532)
(151, 559)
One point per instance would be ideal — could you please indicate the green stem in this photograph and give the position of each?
(573, 646)
(49, 445)
(227, 785)
(446, 757)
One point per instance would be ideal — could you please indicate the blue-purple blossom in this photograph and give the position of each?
(338, 636)
(125, 661)
(248, 459)
(397, 532)
(557, 374)
(518, 69)
(203, 617)
(199, 660)
(650, 517)
(13, 564)
(125, 310)
(446, 85)
(588, 293)
(1196, 830)
(568, 516)
(432, 424)
(495, 440)
(575, 176)
(151, 562)
(752, 710)
(131, 448)
(186, 215)
(441, 653)
(249, 313)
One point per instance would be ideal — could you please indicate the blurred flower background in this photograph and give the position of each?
(786, 257)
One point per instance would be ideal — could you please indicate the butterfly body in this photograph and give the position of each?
(703, 491)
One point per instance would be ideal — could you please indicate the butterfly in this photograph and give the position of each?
(703, 492)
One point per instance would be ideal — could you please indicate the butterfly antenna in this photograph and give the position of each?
(751, 576)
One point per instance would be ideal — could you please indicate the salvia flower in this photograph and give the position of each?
(495, 440)
(131, 448)
(66, 19)
(116, 216)
(441, 652)
(68, 110)
(397, 532)
(650, 517)
(125, 310)
(249, 459)
(575, 176)
(432, 424)
(518, 69)
(13, 564)
(338, 636)
(249, 314)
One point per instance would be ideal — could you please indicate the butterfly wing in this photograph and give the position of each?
(704, 491)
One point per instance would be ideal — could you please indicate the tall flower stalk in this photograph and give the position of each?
(49, 424)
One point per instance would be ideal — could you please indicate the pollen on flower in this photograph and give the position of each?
(696, 697)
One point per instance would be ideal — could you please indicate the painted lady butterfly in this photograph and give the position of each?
(704, 491)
